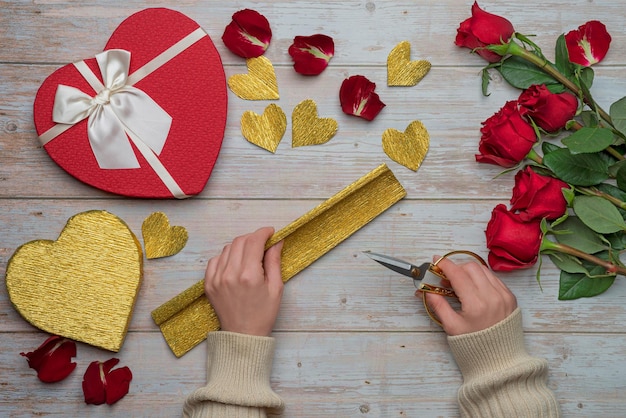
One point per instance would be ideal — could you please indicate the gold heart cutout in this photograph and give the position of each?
(160, 239)
(264, 130)
(260, 82)
(409, 148)
(401, 71)
(307, 128)
(83, 286)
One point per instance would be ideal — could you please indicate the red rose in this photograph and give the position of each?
(513, 244)
(506, 137)
(589, 44)
(484, 29)
(550, 111)
(536, 196)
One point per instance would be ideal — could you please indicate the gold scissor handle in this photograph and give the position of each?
(444, 291)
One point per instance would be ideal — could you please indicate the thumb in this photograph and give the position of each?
(271, 264)
(442, 309)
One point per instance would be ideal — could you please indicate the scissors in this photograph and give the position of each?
(417, 273)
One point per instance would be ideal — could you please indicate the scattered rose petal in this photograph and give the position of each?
(248, 35)
(357, 98)
(588, 44)
(53, 359)
(311, 54)
(101, 385)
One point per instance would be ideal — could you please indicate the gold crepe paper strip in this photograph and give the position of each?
(307, 128)
(266, 130)
(186, 319)
(401, 71)
(408, 148)
(160, 239)
(83, 286)
(260, 82)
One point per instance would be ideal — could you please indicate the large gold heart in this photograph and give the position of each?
(160, 239)
(82, 286)
(408, 148)
(264, 130)
(307, 128)
(260, 82)
(401, 71)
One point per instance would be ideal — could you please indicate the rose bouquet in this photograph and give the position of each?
(569, 198)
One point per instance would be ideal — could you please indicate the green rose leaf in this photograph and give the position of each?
(577, 285)
(620, 176)
(522, 74)
(577, 169)
(588, 140)
(578, 235)
(615, 192)
(562, 61)
(618, 115)
(569, 264)
(599, 214)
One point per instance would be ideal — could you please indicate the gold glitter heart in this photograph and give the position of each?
(265, 130)
(260, 82)
(307, 128)
(408, 148)
(160, 239)
(82, 286)
(401, 71)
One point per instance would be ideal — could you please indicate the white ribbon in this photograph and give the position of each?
(116, 109)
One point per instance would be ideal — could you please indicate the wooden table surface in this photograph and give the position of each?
(352, 338)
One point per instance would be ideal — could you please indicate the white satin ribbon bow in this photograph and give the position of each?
(116, 110)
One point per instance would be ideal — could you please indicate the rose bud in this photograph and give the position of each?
(53, 359)
(248, 35)
(101, 385)
(311, 54)
(588, 44)
(357, 98)
(513, 244)
(484, 29)
(550, 111)
(536, 196)
(506, 137)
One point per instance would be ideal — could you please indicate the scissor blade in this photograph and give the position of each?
(395, 264)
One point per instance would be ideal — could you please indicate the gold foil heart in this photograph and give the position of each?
(264, 130)
(401, 71)
(160, 239)
(408, 148)
(307, 128)
(260, 82)
(82, 286)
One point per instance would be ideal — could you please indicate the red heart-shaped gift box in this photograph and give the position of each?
(180, 70)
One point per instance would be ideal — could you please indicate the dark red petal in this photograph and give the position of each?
(357, 98)
(311, 54)
(248, 35)
(118, 384)
(53, 359)
(588, 44)
(93, 386)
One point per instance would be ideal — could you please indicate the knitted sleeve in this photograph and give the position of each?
(500, 379)
(238, 379)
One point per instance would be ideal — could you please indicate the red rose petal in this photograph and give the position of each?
(588, 44)
(101, 385)
(311, 54)
(357, 98)
(248, 35)
(53, 359)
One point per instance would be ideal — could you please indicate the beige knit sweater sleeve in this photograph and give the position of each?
(500, 379)
(238, 379)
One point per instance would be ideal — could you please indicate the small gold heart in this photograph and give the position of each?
(260, 82)
(265, 130)
(408, 148)
(159, 238)
(307, 128)
(401, 71)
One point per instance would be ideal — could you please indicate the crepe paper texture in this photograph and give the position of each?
(266, 130)
(186, 319)
(260, 82)
(408, 148)
(177, 128)
(307, 128)
(401, 71)
(160, 239)
(83, 286)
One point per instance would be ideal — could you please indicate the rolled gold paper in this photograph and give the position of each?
(186, 319)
